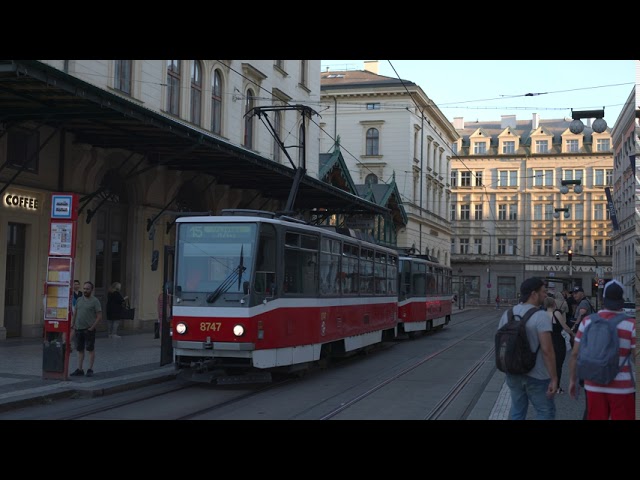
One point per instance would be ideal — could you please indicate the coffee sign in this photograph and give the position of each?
(21, 200)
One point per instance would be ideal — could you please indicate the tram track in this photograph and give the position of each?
(86, 413)
(452, 395)
(437, 412)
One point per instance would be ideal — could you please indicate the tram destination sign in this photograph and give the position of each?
(206, 232)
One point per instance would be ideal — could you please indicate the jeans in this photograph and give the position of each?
(525, 389)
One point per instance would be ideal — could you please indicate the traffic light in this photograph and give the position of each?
(557, 255)
(569, 254)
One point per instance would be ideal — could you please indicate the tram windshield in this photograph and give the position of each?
(215, 257)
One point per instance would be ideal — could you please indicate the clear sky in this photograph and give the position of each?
(487, 89)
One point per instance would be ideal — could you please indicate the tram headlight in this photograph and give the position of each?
(181, 328)
(238, 330)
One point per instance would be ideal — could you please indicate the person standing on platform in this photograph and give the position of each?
(77, 293)
(617, 399)
(558, 325)
(86, 317)
(582, 309)
(539, 385)
(571, 305)
(115, 309)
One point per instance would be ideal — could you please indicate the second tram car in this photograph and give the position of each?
(257, 292)
(424, 295)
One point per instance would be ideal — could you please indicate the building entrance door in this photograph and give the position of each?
(14, 279)
(110, 252)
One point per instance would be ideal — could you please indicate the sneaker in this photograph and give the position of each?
(89, 373)
(78, 373)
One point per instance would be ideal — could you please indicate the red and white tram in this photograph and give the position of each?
(258, 291)
(424, 301)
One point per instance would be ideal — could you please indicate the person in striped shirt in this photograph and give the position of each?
(615, 400)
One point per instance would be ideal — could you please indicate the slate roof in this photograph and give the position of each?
(356, 79)
(523, 129)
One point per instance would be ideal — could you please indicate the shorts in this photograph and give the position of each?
(85, 339)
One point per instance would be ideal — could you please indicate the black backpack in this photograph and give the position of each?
(513, 353)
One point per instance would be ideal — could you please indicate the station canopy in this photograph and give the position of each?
(31, 91)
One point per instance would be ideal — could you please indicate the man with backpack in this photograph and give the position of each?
(603, 356)
(539, 384)
(582, 308)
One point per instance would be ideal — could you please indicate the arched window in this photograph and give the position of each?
(196, 92)
(277, 127)
(216, 103)
(173, 87)
(248, 120)
(373, 141)
(371, 179)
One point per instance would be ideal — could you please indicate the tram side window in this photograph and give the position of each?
(301, 264)
(330, 267)
(438, 281)
(405, 280)
(380, 273)
(419, 280)
(349, 268)
(366, 270)
(432, 286)
(392, 275)
(265, 281)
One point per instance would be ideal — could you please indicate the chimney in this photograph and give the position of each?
(508, 121)
(535, 121)
(458, 123)
(371, 66)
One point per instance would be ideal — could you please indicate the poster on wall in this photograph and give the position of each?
(61, 238)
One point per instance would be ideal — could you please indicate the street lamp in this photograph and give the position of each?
(557, 211)
(576, 189)
(599, 124)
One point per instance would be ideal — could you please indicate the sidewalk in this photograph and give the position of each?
(495, 401)
(121, 363)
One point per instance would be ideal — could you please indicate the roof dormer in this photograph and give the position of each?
(508, 142)
(479, 142)
(572, 142)
(541, 141)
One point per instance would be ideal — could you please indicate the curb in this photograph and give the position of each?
(47, 394)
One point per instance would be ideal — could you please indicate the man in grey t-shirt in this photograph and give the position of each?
(86, 317)
(539, 385)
